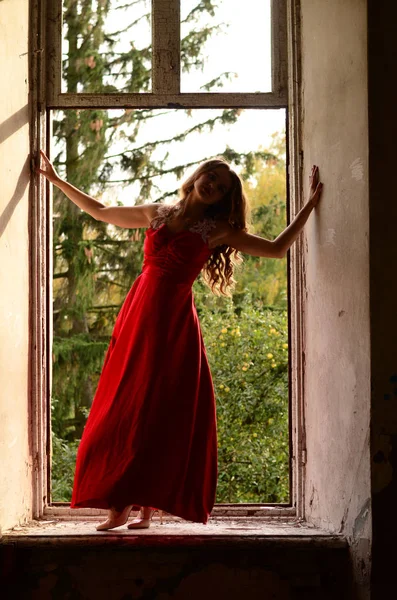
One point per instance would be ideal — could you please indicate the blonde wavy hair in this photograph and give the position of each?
(233, 208)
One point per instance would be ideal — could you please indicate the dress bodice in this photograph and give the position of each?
(178, 257)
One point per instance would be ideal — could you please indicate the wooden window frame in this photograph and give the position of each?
(166, 68)
(46, 36)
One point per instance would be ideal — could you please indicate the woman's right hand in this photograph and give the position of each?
(46, 168)
(316, 187)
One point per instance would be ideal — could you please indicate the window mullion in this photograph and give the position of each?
(53, 55)
(166, 46)
(279, 48)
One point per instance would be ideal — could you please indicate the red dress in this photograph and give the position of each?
(150, 438)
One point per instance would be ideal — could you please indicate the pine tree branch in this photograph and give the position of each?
(230, 154)
(151, 176)
(167, 195)
(87, 40)
(106, 242)
(147, 112)
(208, 6)
(124, 57)
(106, 307)
(176, 138)
(111, 282)
(145, 16)
(110, 253)
(128, 5)
(111, 270)
(218, 80)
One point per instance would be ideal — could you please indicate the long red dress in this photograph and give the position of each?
(150, 438)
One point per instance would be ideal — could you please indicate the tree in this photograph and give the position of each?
(94, 263)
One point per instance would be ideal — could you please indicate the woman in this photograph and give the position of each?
(150, 438)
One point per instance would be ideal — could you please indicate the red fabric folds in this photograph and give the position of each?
(150, 438)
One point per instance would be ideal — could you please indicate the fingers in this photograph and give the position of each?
(38, 166)
(42, 171)
(45, 157)
(314, 174)
(47, 164)
(317, 193)
(315, 184)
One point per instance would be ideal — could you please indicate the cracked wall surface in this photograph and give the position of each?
(336, 306)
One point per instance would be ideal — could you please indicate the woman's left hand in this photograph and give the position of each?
(316, 186)
(46, 168)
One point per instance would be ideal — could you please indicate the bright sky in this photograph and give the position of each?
(242, 47)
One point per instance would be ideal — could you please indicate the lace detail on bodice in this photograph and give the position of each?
(202, 227)
(163, 212)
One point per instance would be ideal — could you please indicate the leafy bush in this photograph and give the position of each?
(248, 355)
(63, 463)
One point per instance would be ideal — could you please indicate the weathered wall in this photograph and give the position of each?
(337, 333)
(382, 57)
(15, 472)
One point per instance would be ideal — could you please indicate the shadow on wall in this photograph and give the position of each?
(21, 186)
(13, 123)
(7, 129)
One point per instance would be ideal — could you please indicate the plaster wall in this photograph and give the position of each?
(15, 459)
(336, 248)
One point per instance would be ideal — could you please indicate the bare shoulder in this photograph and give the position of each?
(152, 210)
(158, 213)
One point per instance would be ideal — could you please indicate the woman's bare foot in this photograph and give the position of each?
(115, 518)
(144, 519)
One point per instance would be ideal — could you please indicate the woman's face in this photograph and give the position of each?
(213, 185)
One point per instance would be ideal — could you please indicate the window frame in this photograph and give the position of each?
(166, 68)
(46, 29)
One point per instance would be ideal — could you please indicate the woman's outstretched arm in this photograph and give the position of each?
(123, 216)
(259, 246)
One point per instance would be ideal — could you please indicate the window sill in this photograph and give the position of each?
(174, 532)
(224, 511)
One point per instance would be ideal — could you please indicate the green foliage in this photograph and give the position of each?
(63, 463)
(266, 280)
(77, 362)
(95, 264)
(248, 354)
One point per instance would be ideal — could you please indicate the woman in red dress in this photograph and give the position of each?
(150, 438)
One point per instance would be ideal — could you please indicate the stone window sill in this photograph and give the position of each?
(174, 532)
